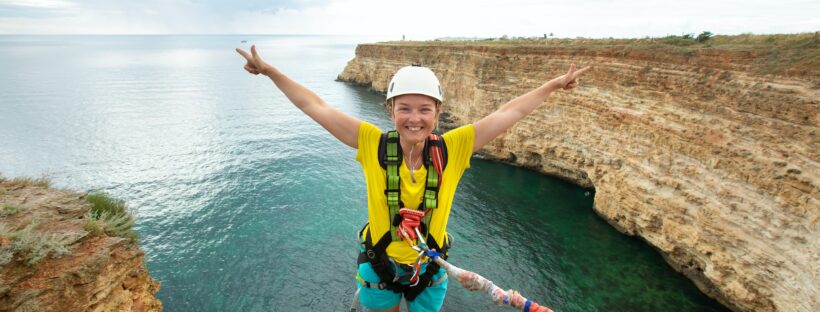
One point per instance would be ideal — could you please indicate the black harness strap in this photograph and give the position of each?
(376, 255)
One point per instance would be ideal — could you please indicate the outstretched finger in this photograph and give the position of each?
(253, 51)
(581, 71)
(244, 54)
(571, 70)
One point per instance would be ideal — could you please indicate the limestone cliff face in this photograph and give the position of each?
(96, 272)
(702, 152)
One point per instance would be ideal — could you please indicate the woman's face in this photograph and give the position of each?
(414, 116)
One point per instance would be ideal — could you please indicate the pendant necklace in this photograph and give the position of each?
(412, 165)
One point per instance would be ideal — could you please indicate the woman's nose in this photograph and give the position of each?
(415, 116)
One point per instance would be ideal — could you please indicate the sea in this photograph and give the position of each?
(243, 203)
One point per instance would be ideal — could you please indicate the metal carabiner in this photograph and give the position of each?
(423, 243)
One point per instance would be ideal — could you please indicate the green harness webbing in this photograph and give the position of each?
(393, 191)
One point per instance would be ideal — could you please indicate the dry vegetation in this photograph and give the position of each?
(30, 244)
(779, 54)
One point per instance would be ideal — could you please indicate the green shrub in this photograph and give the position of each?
(102, 203)
(6, 250)
(10, 209)
(115, 217)
(32, 246)
(685, 40)
(6, 254)
(704, 36)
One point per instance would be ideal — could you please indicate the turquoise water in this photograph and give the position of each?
(245, 204)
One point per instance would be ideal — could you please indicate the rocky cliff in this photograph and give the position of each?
(708, 152)
(54, 258)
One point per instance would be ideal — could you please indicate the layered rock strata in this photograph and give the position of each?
(97, 272)
(709, 154)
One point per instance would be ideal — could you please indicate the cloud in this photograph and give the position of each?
(420, 19)
(35, 9)
(45, 4)
(426, 19)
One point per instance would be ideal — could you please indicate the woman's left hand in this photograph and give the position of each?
(255, 64)
(570, 79)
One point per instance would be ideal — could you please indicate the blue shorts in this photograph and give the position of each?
(431, 299)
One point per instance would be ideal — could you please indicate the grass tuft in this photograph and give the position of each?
(92, 225)
(43, 181)
(111, 215)
(9, 209)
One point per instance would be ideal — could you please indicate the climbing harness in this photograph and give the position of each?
(406, 224)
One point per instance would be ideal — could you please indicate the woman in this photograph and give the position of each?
(411, 176)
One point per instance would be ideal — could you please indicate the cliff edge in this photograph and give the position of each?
(708, 151)
(57, 253)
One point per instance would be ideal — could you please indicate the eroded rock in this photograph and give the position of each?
(695, 152)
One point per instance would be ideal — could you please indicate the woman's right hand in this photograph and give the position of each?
(255, 63)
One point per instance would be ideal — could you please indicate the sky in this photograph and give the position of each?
(419, 19)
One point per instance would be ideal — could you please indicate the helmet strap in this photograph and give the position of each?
(388, 105)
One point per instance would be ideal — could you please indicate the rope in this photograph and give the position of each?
(355, 304)
(474, 282)
(409, 232)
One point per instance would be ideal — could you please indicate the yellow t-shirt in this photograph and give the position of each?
(459, 149)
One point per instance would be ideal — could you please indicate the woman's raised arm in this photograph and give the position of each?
(507, 115)
(342, 126)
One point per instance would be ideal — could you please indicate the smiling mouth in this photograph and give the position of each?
(414, 129)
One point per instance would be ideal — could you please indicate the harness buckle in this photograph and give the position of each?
(371, 254)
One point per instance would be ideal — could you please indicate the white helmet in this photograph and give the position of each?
(415, 80)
